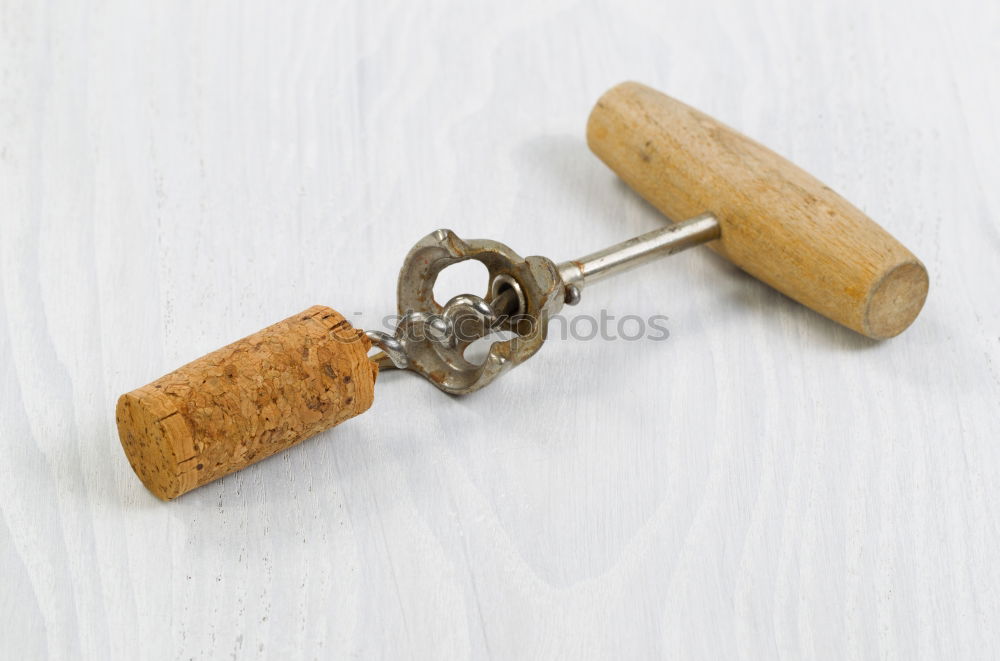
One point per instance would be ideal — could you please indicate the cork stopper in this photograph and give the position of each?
(246, 401)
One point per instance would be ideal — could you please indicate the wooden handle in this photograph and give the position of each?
(778, 223)
(246, 401)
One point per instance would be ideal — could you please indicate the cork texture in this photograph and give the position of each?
(246, 401)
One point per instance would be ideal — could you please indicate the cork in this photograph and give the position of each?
(246, 401)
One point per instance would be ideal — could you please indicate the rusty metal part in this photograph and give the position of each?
(431, 339)
(524, 293)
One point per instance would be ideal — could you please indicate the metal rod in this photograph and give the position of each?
(626, 255)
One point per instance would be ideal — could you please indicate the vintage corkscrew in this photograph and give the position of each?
(303, 375)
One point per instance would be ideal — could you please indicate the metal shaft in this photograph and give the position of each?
(626, 255)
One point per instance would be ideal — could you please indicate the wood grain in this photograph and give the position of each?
(779, 223)
(764, 484)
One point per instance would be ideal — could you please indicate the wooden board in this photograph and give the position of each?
(762, 484)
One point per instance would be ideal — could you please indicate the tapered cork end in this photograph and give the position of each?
(155, 437)
(246, 401)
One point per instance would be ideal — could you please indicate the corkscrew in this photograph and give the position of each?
(312, 371)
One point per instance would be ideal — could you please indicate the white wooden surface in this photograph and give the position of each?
(762, 485)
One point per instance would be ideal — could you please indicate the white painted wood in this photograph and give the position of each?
(761, 485)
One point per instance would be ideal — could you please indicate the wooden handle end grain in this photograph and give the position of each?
(246, 401)
(778, 222)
